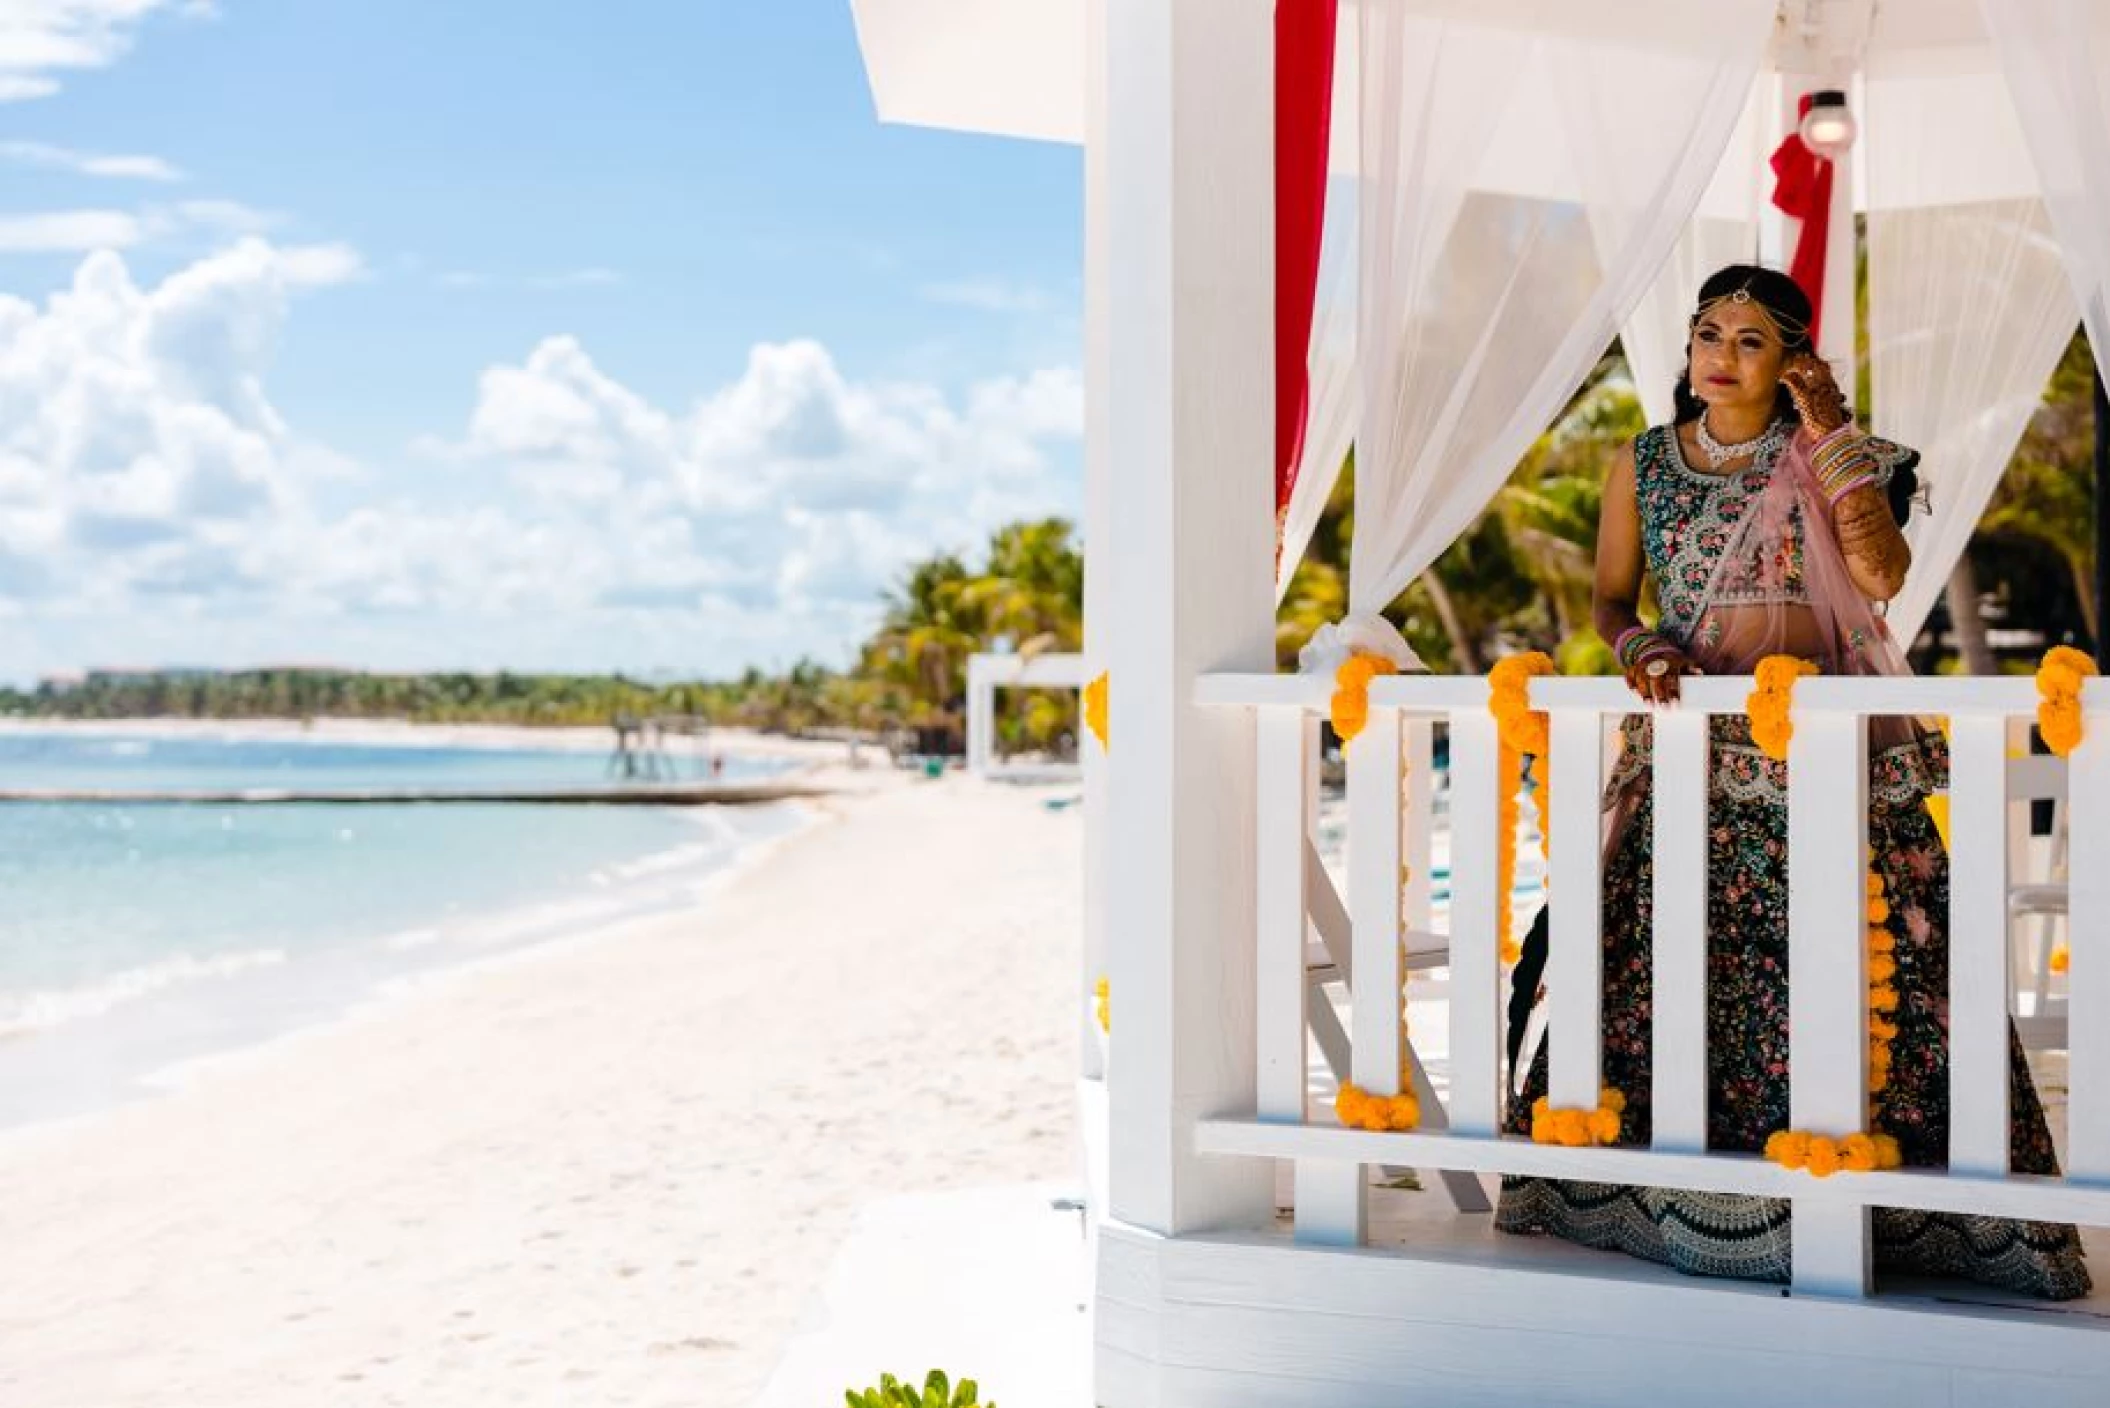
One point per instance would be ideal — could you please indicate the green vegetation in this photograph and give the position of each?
(1520, 578)
(936, 1393)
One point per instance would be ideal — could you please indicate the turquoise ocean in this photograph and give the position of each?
(137, 938)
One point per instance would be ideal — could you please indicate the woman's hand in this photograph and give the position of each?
(1818, 399)
(1655, 677)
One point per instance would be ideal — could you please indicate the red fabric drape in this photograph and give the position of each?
(1304, 38)
(1802, 187)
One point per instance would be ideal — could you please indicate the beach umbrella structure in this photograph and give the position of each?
(1414, 226)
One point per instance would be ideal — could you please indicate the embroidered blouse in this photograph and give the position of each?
(1686, 520)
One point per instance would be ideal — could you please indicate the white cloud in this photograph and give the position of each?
(83, 231)
(42, 40)
(133, 168)
(69, 231)
(224, 216)
(145, 474)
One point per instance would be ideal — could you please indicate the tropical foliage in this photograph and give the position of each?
(936, 1393)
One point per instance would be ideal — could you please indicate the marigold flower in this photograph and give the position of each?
(1858, 1152)
(1351, 694)
(1824, 1157)
(1095, 706)
(2061, 959)
(1790, 1148)
(2060, 679)
(1888, 1155)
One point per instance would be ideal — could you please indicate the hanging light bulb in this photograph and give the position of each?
(1828, 128)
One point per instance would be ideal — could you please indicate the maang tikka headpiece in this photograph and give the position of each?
(1790, 329)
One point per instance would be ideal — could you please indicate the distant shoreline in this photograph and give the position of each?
(731, 742)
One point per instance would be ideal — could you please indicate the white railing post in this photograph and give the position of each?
(1279, 909)
(1417, 746)
(1828, 979)
(1575, 941)
(1979, 968)
(2088, 943)
(1375, 994)
(1678, 932)
(1477, 911)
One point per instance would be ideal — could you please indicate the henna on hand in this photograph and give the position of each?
(1818, 400)
(1870, 541)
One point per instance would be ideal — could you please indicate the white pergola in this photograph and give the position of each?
(1198, 840)
(988, 673)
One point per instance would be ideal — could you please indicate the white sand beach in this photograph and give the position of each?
(609, 1172)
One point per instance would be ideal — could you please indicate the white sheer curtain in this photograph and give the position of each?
(1503, 143)
(1968, 311)
(1336, 392)
(1724, 230)
(1969, 305)
(2056, 54)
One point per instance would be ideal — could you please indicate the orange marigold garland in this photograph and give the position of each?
(1824, 1156)
(2060, 679)
(1095, 706)
(1360, 1109)
(1772, 702)
(1351, 692)
(1882, 985)
(1521, 730)
(1577, 1128)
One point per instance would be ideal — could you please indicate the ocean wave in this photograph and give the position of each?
(25, 1013)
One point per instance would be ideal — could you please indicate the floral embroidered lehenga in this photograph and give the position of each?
(1745, 565)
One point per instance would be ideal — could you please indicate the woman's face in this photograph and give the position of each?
(1736, 356)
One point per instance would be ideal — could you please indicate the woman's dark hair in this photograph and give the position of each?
(1781, 297)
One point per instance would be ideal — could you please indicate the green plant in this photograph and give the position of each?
(937, 1392)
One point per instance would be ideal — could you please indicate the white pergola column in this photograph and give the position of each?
(1099, 587)
(1188, 163)
(981, 715)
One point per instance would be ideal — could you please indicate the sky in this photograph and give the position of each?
(541, 336)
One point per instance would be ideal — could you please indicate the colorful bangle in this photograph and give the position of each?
(1624, 639)
(1843, 464)
(1639, 645)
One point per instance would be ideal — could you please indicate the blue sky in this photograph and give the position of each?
(540, 335)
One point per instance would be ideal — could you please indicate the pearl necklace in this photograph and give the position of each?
(1719, 454)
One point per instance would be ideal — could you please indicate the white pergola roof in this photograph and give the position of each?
(1017, 68)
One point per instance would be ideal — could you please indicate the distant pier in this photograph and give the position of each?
(635, 794)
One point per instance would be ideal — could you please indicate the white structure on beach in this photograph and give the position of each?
(1985, 163)
(986, 674)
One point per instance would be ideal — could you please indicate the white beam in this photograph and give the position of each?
(1190, 236)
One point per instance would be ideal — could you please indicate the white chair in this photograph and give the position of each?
(2036, 896)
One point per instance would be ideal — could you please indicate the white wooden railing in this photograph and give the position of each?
(1827, 826)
